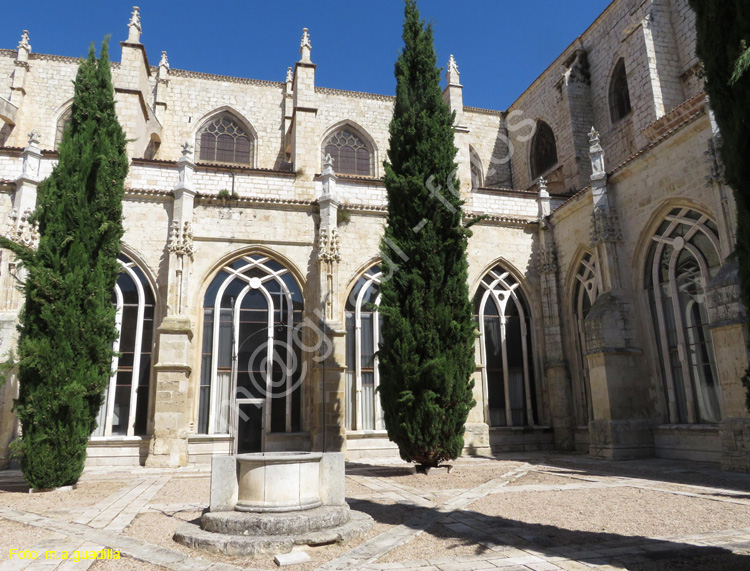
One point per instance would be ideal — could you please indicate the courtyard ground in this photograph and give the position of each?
(533, 512)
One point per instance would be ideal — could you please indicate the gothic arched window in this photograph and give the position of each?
(124, 411)
(251, 366)
(363, 410)
(543, 150)
(350, 152)
(223, 139)
(62, 123)
(585, 292)
(683, 257)
(477, 172)
(505, 329)
(619, 95)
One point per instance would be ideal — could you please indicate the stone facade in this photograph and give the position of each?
(616, 376)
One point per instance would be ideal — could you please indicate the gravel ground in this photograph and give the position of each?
(357, 490)
(464, 475)
(608, 512)
(436, 541)
(184, 491)
(17, 536)
(50, 503)
(542, 479)
(124, 564)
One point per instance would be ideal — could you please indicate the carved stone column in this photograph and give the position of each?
(619, 388)
(329, 419)
(556, 372)
(169, 444)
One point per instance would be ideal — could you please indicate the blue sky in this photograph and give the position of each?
(501, 46)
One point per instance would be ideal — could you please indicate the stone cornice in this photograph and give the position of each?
(357, 94)
(231, 79)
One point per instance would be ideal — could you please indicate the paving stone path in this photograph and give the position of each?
(505, 546)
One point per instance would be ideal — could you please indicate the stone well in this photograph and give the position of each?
(266, 503)
(278, 481)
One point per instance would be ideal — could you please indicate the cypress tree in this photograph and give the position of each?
(426, 354)
(67, 325)
(723, 36)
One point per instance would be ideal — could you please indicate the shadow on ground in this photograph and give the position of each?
(492, 534)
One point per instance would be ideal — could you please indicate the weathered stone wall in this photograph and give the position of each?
(655, 157)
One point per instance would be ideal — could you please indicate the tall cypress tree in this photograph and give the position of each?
(426, 353)
(723, 37)
(67, 325)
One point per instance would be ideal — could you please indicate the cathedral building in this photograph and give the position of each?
(608, 313)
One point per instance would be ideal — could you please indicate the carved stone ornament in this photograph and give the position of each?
(452, 76)
(605, 227)
(305, 43)
(181, 243)
(21, 230)
(164, 62)
(187, 150)
(289, 75)
(596, 154)
(547, 260)
(330, 245)
(24, 43)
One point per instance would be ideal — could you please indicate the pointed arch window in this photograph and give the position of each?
(350, 152)
(251, 366)
(543, 150)
(586, 290)
(505, 329)
(124, 411)
(363, 411)
(619, 95)
(224, 139)
(683, 257)
(477, 172)
(62, 123)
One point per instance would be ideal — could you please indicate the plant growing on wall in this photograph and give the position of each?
(427, 349)
(723, 35)
(67, 325)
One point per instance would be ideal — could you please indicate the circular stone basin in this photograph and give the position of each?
(278, 481)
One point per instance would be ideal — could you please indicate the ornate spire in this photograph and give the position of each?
(543, 202)
(289, 75)
(134, 26)
(164, 62)
(596, 154)
(452, 76)
(305, 47)
(24, 43)
(328, 165)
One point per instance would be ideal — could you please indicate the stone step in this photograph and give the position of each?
(270, 523)
(193, 536)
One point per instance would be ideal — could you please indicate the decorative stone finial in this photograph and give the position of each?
(328, 166)
(543, 188)
(164, 62)
(134, 26)
(289, 75)
(24, 43)
(305, 46)
(187, 150)
(452, 76)
(543, 203)
(596, 154)
(34, 138)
